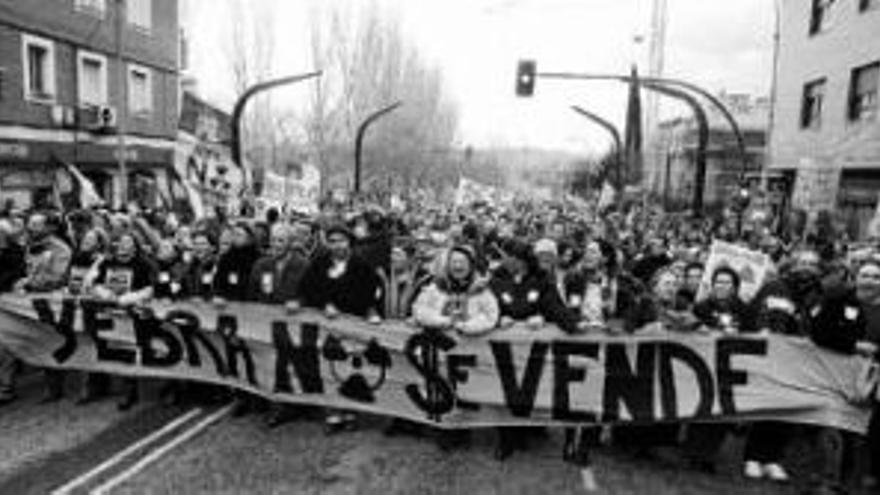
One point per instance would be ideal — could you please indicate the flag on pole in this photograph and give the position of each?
(74, 189)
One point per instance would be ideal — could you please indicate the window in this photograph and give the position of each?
(820, 15)
(92, 78)
(811, 105)
(38, 62)
(140, 90)
(140, 13)
(94, 7)
(863, 92)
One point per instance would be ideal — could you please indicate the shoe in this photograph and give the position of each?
(775, 472)
(752, 470)
(588, 478)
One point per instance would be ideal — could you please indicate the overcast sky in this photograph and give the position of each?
(719, 44)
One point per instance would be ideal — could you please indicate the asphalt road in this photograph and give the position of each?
(47, 446)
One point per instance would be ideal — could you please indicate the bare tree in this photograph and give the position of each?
(250, 53)
(368, 63)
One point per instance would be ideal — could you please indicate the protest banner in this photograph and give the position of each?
(752, 267)
(514, 377)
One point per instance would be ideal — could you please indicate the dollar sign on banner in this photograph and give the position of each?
(422, 351)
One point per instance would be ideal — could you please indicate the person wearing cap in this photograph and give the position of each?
(339, 282)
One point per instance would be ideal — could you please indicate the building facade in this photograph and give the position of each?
(75, 75)
(826, 129)
(675, 145)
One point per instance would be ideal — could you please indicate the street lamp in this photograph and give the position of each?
(359, 140)
(238, 110)
(615, 135)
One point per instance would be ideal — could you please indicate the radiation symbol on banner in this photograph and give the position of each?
(359, 372)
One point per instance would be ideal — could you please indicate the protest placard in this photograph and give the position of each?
(751, 266)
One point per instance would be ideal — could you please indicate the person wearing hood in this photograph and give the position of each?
(460, 301)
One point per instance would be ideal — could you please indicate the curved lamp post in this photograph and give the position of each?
(615, 135)
(702, 139)
(665, 82)
(359, 140)
(238, 109)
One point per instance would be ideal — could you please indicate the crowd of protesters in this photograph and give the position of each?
(476, 271)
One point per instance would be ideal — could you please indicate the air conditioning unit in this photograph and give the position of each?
(99, 117)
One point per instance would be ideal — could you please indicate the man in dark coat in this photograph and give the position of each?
(338, 282)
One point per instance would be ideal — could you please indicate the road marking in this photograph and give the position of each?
(153, 456)
(68, 488)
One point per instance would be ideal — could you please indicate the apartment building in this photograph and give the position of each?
(825, 137)
(88, 83)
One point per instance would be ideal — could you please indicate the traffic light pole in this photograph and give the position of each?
(666, 82)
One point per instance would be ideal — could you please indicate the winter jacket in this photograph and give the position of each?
(275, 281)
(199, 280)
(171, 280)
(787, 306)
(712, 312)
(355, 291)
(475, 309)
(840, 322)
(533, 295)
(233, 273)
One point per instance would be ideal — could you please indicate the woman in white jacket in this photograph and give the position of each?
(458, 299)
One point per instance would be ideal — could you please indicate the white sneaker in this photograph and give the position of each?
(589, 479)
(752, 470)
(775, 472)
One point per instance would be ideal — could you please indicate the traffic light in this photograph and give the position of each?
(525, 78)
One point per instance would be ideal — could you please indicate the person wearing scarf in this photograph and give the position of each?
(459, 301)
